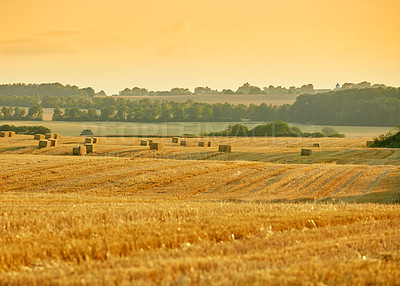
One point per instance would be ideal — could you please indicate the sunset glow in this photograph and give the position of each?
(159, 45)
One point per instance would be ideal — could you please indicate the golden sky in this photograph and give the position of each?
(160, 44)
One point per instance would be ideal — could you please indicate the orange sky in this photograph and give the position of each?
(162, 44)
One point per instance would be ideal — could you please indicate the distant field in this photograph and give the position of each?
(260, 215)
(222, 98)
(179, 128)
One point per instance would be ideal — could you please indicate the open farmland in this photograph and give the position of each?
(191, 215)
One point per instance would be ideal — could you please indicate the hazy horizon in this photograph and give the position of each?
(166, 44)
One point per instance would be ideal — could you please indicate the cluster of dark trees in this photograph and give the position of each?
(18, 113)
(364, 107)
(274, 129)
(27, 130)
(244, 89)
(389, 140)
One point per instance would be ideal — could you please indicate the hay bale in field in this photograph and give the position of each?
(57, 136)
(88, 140)
(184, 143)
(53, 142)
(49, 136)
(306, 152)
(90, 148)
(202, 144)
(95, 140)
(4, 134)
(317, 145)
(175, 140)
(78, 151)
(44, 143)
(11, 133)
(209, 144)
(369, 143)
(144, 143)
(156, 146)
(225, 148)
(38, 137)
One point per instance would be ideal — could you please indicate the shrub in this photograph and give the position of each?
(27, 130)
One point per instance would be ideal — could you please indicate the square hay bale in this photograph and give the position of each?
(306, 152)
(225, 148)
(38, 137)
(209, 144)
(175, 140)
(144, 143)
(11, 133)
(4, 134)
(317, 145)
(57, 136)
(88, 140)
(156, 146)
(44, 143)
(95, 140)
(78, 151)
(202, 144)
(53, 142)
(49, 136)
(184, 143)
(90, 148)
(369, 143)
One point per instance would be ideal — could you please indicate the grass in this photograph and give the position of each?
(190, 215)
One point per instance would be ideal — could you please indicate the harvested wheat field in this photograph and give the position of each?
(260, 215)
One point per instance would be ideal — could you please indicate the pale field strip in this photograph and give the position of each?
(274, 150)
(77, 239)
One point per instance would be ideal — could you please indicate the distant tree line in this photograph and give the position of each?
(367, 107)
(56, 89)
(274, 129)
(378, 106)
(244, 89)
(18, 113)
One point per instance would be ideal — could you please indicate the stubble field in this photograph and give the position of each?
(260, 215)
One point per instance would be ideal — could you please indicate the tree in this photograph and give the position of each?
(122, 113)
(57, 114)
(125, 92)
(248, 89)
(238, 130)
(274, 129)
(107, 113)
(19, 113)
(7, 112)
(35, 112)
(92, 115)
(204, 90)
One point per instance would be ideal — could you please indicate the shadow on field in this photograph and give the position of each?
(389, 197)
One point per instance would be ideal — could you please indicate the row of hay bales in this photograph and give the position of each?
(44, 143)
(153, 145)
(187, 143)
(5, 134)
(47, 140)
(88, 147)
